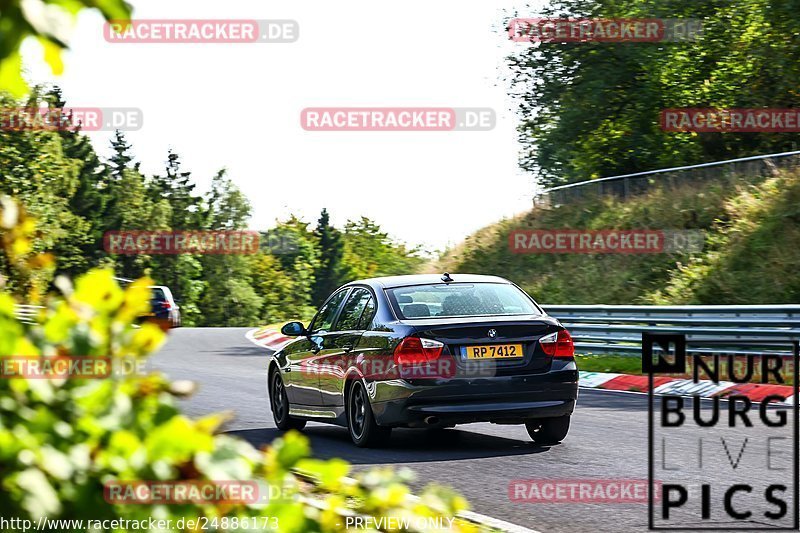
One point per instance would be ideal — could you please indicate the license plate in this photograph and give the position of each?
(492, 351)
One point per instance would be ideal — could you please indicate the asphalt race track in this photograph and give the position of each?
(608, 439)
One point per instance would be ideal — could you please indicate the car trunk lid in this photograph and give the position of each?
(459, 335)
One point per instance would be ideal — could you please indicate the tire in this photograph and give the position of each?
(364, 430)
(548, 430)
(279, 403)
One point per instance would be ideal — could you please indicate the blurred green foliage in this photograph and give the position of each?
(49, 22)
(62, 439)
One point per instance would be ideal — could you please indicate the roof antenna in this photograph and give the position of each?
(446, 278)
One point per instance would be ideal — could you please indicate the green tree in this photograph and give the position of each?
(78, 198)
(130, 206)
(122, 158)
(593, 109)
(89, 201)
(229, 298)
(299, 256)
(275, 288)
(330, 273)
(176, 207)
(133, 210)
(175, 186)
(35, 168)
(370, 252)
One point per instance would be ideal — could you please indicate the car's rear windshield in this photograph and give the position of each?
(158, 294)
(460, 299)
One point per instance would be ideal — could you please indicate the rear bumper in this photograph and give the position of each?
(507, 399)
(163, 320)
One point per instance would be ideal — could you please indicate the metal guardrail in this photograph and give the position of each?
(626, 185)
(619, 328)
(26, 313)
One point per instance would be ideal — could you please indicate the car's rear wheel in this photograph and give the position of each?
(280, 405)
(548, 430)
(364, 430)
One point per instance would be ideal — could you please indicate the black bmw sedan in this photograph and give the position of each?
(426, 351)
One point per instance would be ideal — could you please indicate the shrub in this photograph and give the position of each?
(63, 439)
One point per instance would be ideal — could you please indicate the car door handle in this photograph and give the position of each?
(347, 348)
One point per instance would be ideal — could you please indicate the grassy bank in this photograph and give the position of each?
(751, 251)
(619, 364)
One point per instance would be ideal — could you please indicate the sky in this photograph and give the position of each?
(237, 106)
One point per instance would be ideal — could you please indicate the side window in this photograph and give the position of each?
(324, 319)
(351, 312)
(366, 316)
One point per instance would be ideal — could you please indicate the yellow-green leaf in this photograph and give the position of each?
(11, 79)
(52, 55)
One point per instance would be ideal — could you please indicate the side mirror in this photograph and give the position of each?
(293, 329)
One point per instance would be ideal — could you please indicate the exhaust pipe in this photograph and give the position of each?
(431, 420)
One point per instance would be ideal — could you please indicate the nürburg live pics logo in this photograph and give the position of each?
(723, 433)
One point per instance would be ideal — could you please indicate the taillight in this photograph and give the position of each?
(166, 305)
(558, 344)
(414, 350)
